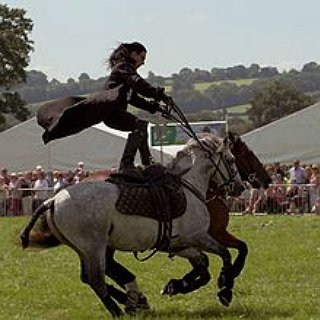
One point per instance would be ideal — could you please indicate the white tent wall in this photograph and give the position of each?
(98, 147)
(296, 136)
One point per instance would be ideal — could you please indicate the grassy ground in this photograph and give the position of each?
(281, 279)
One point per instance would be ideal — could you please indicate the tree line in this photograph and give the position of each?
(218, 95)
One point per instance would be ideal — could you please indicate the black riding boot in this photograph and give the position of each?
(129, 153)
(145, 155)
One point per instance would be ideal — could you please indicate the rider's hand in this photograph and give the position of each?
(154, 106)
(168, 101)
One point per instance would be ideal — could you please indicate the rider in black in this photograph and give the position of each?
(124, 86)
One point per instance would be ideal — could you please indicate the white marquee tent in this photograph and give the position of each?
(99, 147)
(296, 136)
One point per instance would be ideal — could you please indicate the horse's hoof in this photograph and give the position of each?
(143, 303)
(171, 288)
(225, 296)
(136, 302)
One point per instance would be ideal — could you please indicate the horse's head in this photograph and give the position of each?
(225, 175)
(249, 166)
(215, 158)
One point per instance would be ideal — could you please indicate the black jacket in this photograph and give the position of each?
(67, 116)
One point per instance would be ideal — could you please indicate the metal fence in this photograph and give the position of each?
(22, 201)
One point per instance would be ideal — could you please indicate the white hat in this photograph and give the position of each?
(39, 167)
(80, 163)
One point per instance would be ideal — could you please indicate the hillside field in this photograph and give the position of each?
(281, 279)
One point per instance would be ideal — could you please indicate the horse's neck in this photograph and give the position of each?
(197, 179)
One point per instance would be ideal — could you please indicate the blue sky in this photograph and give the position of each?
(73, 36)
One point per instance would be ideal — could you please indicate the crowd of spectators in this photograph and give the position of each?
(22, 192)
(295, 189)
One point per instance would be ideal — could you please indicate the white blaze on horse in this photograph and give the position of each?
(84, 216)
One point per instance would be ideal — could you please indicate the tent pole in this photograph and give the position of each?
(49, 157)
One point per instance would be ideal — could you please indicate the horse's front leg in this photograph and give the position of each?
(193, 280)
(219, 220)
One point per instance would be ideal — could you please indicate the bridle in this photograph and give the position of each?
(181, 120)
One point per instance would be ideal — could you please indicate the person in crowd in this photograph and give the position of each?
(296, 173)
(34, 178)
(297, 194)
(41, 189)
(28, 177)
(69, 178)
(241, 203)
(315, 189)
(307, 174)
(276, 200)
(80, 168)
(4, 195)
(15, 196)
(277, 169)
(256, 200)
(124, 85)
(4, 174)
(59, 183)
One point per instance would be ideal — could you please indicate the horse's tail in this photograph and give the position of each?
(42, 238)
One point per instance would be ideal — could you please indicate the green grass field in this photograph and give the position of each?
(281, 279)
(239, 82)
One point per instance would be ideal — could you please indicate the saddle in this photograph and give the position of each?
(154, 193)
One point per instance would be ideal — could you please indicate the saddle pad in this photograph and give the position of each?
(163, 203)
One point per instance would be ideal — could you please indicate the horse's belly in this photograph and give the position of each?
(133, 233)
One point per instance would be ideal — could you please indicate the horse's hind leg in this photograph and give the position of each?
(120, 296)
(92, 273)
(133, 299)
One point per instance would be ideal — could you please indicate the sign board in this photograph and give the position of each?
(172, 133)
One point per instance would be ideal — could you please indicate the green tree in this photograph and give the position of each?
(11, 102)
(15, 48)
(275, 101)
(15, 45)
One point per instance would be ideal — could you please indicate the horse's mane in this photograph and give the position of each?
(210, 140)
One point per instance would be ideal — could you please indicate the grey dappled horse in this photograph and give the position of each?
(84, 217)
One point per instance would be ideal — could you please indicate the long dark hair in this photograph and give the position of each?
(122, 53)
